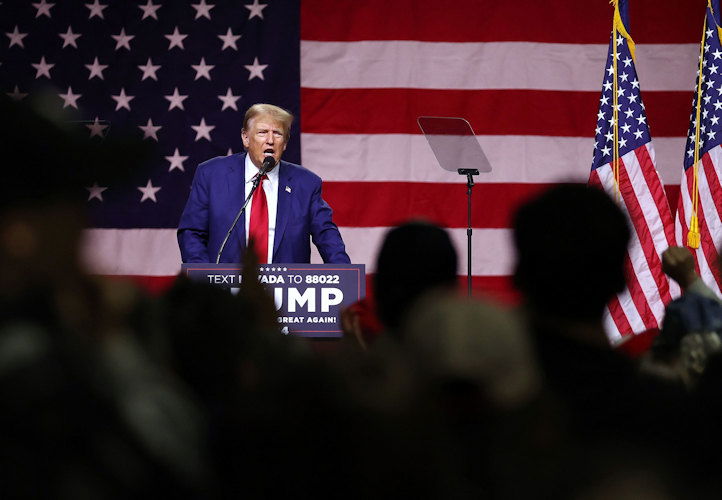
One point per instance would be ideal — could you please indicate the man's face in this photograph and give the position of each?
(264, 137)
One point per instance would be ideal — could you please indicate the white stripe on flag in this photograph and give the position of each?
(145, 252)
(154, 252)
(513, 158)
(492, 249)
(484, 65)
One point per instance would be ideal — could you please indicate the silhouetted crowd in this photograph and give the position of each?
(106, 392)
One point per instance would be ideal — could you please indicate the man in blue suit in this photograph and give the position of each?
(296, 212)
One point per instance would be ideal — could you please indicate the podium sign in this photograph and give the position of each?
(308, 297)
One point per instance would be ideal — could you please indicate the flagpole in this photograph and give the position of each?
(693, 236)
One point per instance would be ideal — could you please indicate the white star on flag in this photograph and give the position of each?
(202, 69)
(176, 161)
(149, 10)
(96, 128)
(176, 100)
(69, 38)
(150, 130)
(122, 40)
(96, 9)
(43, 8)
(229, 40)
(16, 38)
(256, 9)
(229, 100)
(96, 69)
(42, 68)
(122, 100)
(148, 192)
(16, 95)
(95, 191)
(256, 69)
(70, 99)
(202, 9)
(203, 131)
(149, 70)
(176, 39)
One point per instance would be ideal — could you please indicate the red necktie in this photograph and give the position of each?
(258, 230)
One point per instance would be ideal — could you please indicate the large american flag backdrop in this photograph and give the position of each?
(525, 74)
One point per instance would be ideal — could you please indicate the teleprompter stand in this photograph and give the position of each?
(457, 150)
(469, 173)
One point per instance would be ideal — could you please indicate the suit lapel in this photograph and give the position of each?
(236, 180)
(284, 203)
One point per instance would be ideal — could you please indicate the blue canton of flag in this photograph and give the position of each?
(710, 129)
(178, 74)
(633, 128)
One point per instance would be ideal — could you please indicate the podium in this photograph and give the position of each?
(308, 297)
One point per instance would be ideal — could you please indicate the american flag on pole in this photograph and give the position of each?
(357, 75)
(701, 192)
(623, 165)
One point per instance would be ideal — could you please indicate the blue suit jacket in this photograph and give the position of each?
(217, 194)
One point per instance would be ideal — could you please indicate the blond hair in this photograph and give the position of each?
(277, 113)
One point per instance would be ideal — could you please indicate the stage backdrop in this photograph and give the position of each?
(526, 74)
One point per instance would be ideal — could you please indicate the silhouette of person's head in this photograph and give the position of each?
(571, 243)
(415, 257)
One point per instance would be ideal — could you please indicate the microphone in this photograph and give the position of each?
(268, 163)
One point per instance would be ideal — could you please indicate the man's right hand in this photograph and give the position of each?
(678, 263)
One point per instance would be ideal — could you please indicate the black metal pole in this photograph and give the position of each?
(469, 173)
(469, 185)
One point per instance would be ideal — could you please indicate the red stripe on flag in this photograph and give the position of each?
(499, 288)
(490, 112)
(673, 197)
(594, 180)
(389, 203)
(616, 312)
(474, 21)
(154, 285)
(710, 173)
(682, 215)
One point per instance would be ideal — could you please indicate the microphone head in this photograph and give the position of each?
(268, 163)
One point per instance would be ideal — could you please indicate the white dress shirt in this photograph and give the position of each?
(270, 187)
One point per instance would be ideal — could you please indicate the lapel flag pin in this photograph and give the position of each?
(288, 189)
